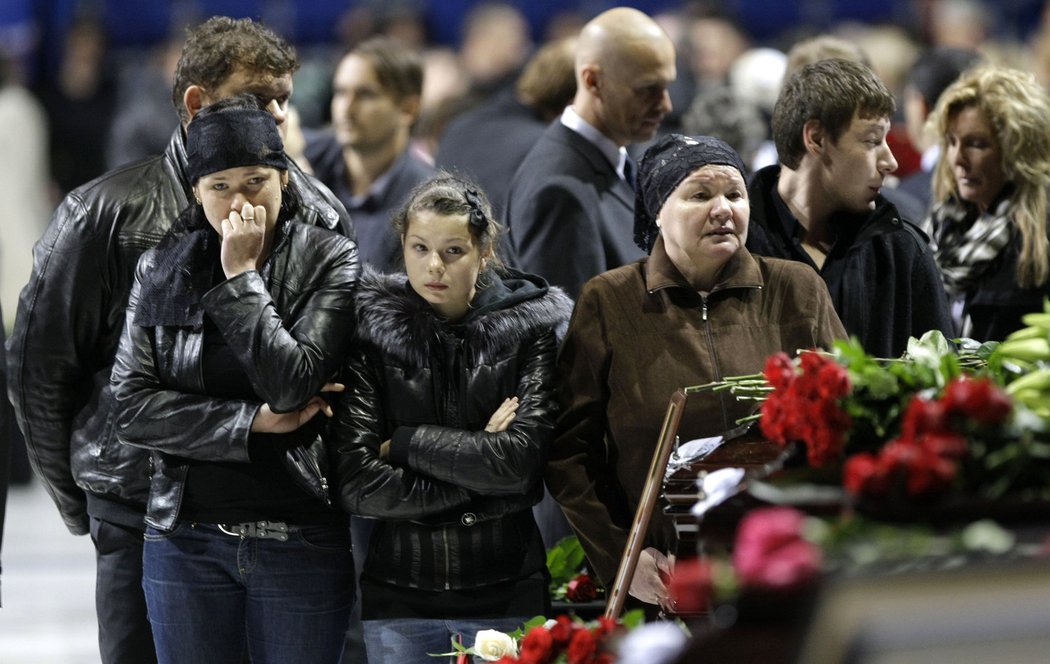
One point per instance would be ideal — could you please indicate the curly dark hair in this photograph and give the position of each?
(216, 48)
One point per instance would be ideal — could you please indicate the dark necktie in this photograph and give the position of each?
(630, 171)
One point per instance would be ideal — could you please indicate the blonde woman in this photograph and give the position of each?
(989, 222)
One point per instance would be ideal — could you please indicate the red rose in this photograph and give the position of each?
(581, 589)
(537, 646)
(691, 585)
(583, 647)
(770, 551)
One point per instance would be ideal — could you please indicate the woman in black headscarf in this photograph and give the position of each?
(698, 309)
(236, 321)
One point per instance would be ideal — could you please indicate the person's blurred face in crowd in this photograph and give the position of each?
(975, 156)
(365, 116)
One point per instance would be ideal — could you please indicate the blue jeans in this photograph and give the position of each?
(213, 597)
(409, 640)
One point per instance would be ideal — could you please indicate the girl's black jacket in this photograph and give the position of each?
(454, 500)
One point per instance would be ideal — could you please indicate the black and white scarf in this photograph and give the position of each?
(966, 242)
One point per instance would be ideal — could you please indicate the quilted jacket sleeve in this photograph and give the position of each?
(500, 463)
(367, 485)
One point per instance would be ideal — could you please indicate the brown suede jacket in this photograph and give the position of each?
(637, 334)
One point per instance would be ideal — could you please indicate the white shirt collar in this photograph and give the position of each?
(616, 154)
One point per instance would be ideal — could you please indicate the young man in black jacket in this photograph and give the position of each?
(71, 314)
(822, 206)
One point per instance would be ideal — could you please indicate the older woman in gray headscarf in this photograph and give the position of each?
(699, 308)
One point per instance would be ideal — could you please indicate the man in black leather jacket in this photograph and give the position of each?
(71, 314)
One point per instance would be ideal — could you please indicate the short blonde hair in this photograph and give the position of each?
(1018, 109)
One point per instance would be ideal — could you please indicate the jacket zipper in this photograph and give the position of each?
(714, 360)
(448, 566)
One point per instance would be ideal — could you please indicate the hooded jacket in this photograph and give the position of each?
(288, 325)
(69, 321)
(454, 500)
(639, 333)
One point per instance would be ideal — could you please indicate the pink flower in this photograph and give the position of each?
(770, 551)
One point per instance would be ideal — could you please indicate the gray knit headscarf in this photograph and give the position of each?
(663, 167)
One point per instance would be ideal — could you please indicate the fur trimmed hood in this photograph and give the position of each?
(400, 323)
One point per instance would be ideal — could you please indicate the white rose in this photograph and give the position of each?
(490, 645)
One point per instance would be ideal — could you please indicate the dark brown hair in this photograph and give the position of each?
(831, 92)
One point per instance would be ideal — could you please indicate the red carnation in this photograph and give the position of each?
(864, 474)
(923, 416)
(583, 647)
(779, 371)
(977, 399)
(834, 381)
(946, 444)
(691, 585)
(537, 646)
(562, 630)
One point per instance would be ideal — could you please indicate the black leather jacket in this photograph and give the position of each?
(70, 317)
(454, 499)
(288, 324)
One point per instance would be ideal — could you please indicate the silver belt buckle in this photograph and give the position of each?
(277, 530)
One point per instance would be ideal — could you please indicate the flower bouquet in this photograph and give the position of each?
(563, 640)
(939, 420)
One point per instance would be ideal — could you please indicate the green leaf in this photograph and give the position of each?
(633, 618)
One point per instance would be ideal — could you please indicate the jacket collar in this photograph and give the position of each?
(176, 154)
(392, 317)
(595, 158)
(741, 271)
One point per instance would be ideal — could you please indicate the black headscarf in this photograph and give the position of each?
(230, 138)
(663, 167)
